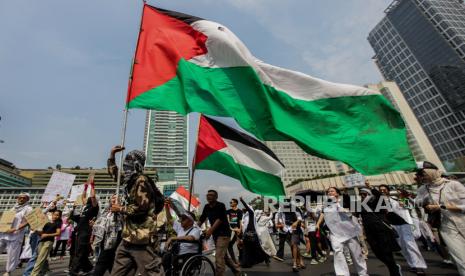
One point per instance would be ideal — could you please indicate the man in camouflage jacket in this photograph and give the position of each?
(137, 254)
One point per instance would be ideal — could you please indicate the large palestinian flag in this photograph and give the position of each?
(187, 64)
(240, 156)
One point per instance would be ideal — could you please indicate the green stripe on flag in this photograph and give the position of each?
(365, 132)
(251, 179)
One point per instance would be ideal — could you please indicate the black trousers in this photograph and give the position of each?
(387, 258)
(81, 260)
(59, 243)
(231, 248)
(283, 238)
(314, 245)
(105, 262)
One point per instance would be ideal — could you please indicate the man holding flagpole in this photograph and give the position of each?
(137, 254)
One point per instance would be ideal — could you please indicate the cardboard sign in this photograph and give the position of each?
(36, 219)
(76, 193)
(6, 220)
(60, 184)
(354, 180)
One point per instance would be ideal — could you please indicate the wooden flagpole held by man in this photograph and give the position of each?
(125, 112)
(191, 178)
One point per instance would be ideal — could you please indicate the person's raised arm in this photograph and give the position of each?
(93, 199)
(249, 209)
(169, 218)
(112, 168)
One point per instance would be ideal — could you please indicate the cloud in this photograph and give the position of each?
(329, 36)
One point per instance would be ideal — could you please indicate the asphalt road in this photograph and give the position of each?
(375, 267)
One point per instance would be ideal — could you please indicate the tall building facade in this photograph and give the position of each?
(166, 145)
(298, 163)
(10, 177)
(420, 44)
(419, 143)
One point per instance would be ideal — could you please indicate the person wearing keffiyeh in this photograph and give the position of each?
(142, 201)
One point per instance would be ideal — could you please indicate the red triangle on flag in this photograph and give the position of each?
(208, 140)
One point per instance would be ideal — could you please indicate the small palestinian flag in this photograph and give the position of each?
(187, 64)
(240, 156)
(182, 195)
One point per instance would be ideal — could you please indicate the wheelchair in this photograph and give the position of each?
(191, 265)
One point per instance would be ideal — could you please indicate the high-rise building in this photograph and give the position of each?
(10, 177)
(166, 145)
(298, 163)
(420, 146)
(420, 44)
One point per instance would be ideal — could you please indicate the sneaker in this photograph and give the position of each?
(314, 262)
(400, 269)
(307, 255)
(278, 258)
(321, 259)
(447, 262)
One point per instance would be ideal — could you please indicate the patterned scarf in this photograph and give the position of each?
(134, 163)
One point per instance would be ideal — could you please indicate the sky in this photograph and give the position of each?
(64, 67)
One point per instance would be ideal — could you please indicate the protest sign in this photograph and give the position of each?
(60, 184)
(36, 219)
(76, 192)
(6, 220)
(354, 180)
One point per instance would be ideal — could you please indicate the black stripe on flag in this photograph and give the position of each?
(187, 18)
(233, 134)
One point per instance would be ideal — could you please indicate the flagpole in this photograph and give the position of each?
(125, 112)
(191, 180)
(123, 140)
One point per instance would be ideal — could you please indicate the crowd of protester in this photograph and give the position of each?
(125, 239)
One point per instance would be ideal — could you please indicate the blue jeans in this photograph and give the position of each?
(34, 242)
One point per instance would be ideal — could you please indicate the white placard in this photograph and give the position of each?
(354, 180)
(76, 191)
(60, 184)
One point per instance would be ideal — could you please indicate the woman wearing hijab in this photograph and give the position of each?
(252, 251)
(262, 221)
(344, 232)
(13, 238)
(445, 198)
(379, 234)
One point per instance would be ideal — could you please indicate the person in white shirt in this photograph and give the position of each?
(13, 238)
(444, 197)
(403, 223)
(187, 233)
(344, 232)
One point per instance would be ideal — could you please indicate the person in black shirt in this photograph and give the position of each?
(215, 211)
(83, 231)
(235, 222)
(47, 236)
